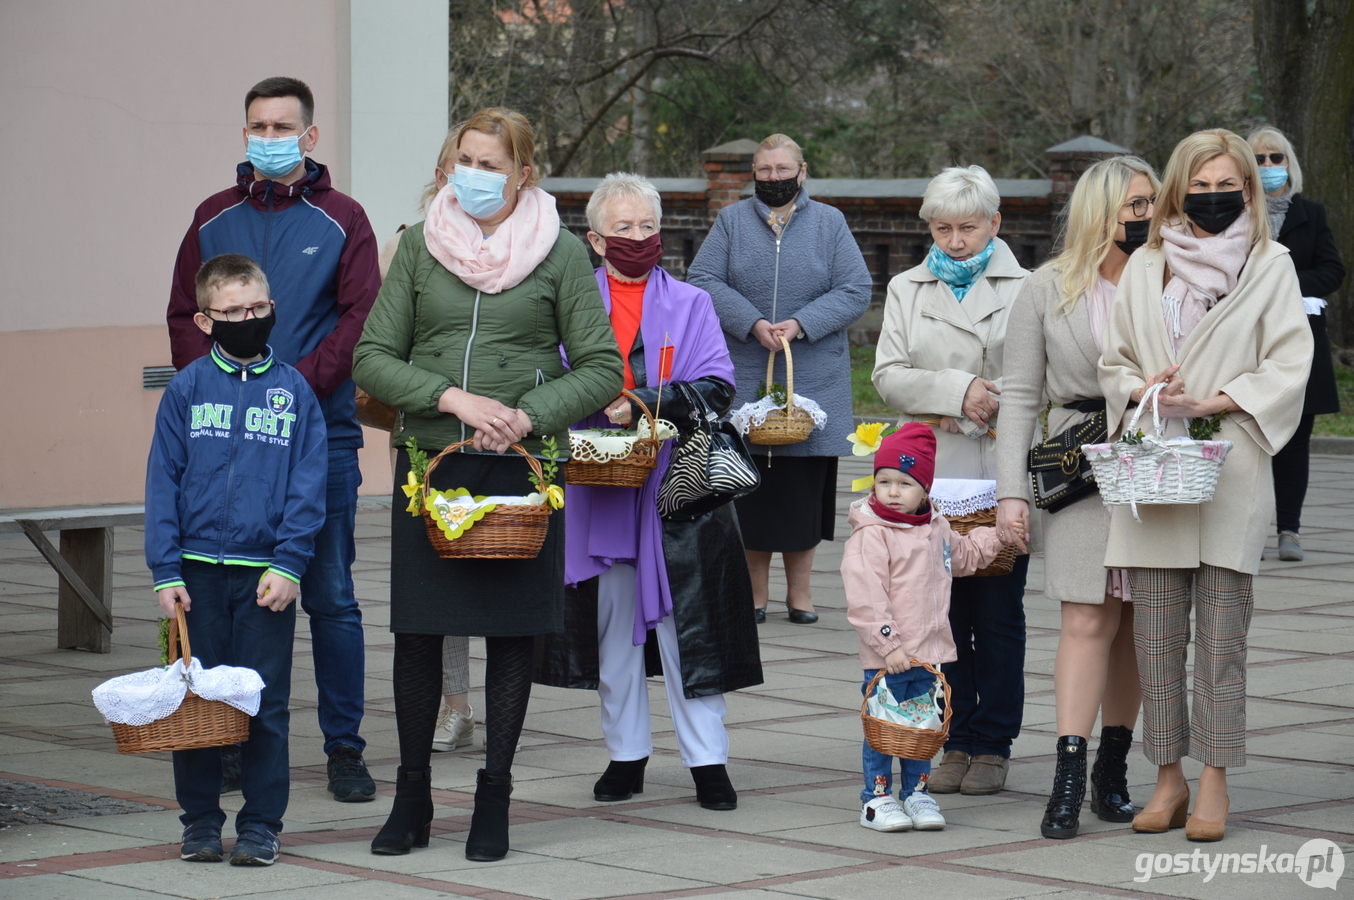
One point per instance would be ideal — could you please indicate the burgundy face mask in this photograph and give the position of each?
(634, 259)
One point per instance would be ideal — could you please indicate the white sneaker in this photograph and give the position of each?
(454, 729)
(885, 814)
(924, 812)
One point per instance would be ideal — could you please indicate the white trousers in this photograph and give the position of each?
(624, 691)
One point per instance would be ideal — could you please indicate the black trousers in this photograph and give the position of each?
(1290, 476)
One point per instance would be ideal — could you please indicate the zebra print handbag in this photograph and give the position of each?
(710, 466)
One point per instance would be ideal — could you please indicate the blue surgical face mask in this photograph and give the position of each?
(274, 157)
(480, 193)
(1273, 177)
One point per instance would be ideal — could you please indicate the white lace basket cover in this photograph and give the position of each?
(963, 496)
(145, 697)
(1157, 471)
(749, 414)
(604, 445)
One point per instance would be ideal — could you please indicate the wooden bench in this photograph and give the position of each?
(84, 619)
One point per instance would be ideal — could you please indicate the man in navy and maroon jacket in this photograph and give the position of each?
(319, 253)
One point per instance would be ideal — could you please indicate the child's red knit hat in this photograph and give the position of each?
(912, 450)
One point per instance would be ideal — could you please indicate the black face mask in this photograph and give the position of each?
(1135, 235)
(776, 194)
(243, 340)
(1215, 212)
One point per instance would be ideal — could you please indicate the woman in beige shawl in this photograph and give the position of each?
(1052, 350)
(1211, 308)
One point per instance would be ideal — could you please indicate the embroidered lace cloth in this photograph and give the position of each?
(750, 414)
(963, 496)
(145, 697)
(600, 445)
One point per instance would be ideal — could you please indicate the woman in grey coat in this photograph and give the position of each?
(779, 264)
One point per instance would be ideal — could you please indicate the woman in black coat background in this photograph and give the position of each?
(1300, 225)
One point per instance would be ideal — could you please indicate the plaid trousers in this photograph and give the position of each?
(1214, 731)
(455, 664)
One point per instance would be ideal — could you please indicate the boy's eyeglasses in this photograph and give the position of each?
(240, 313)
(1140, 206)
(1276, 158)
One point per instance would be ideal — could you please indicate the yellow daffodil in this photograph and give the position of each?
(414, 491)
(555, 494)
(867, 438)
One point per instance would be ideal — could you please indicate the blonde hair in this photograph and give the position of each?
(510, 127)
(1188, 157)
(1269, 136)
(1091, 218)
(618, 186)
(778, 141)
(958, 192)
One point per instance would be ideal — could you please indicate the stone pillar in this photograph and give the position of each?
(728, 169)
(1066, 162)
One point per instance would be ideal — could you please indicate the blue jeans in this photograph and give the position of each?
(335, 620)
(905, 685)
(987, 681)
(227, 627)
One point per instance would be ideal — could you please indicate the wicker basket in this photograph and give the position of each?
(782, 426)
(505, 532)
(197, 723)
(1005, 560)
(893, 739)
(628, 471)
(1156, 471)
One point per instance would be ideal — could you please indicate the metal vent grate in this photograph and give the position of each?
(154, 378)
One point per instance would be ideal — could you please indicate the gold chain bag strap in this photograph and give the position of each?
(1059, 472)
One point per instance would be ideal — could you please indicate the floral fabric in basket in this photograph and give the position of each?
(145, 697)
(918, 712)
(457, 511)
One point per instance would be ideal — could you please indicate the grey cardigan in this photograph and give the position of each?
(815, 273)
(1052, 356)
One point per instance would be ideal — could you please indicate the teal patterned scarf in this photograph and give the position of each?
(960, 275)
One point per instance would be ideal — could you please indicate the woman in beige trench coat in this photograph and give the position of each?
(1211, 308)
(939, 361)
(1052, 351)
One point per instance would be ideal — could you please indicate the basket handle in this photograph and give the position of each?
(178, 636)
(789, 374)
(1152, 393)
(452, 448)
(653, 424)
(944, 684)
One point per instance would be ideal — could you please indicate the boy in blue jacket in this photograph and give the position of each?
(235, 493)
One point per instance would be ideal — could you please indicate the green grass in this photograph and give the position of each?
(867, 402)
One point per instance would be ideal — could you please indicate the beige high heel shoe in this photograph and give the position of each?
(1159, 822)
(1197, 829)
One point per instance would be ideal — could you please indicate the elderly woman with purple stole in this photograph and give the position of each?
(647, 596)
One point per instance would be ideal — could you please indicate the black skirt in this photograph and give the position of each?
(476, 597)
(794, 508)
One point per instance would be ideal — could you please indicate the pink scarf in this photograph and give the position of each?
(1203, 271)
(505, 258)
(1099, 299)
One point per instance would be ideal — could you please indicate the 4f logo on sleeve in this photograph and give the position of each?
(279, 401)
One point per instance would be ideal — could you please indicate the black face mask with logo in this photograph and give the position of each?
(776, 194)
(1215, 212)
(1135, 235)
(244, 340)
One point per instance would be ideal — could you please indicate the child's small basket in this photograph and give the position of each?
(588, 467)
(790, 425)
(1005, 561)
(1156, 471)
(505, 532)
(197, 723)
(894, 739)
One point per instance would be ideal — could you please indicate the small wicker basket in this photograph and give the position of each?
(505, 532)
(628, 471)
(197, 723)
(894, 739)
(782, 426)
(1005, 561)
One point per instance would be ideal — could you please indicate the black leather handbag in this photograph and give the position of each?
(1059, 472)
(710, 465)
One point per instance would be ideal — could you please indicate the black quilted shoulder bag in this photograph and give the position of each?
(1059, 472)
(710, 465)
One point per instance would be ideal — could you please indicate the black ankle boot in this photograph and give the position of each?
(1109, 776)
(621, 780)
(713, 788)
(1061, 817)
(411, 818)
(488, 838)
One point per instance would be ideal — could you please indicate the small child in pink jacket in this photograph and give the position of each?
(897, 568)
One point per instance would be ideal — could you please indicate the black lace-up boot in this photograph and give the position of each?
(1061, 817)
(1109, 776)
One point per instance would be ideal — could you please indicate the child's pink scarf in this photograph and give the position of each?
(1203, 271)
(505, 258)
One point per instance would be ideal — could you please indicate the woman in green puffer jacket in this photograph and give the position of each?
(464, 339)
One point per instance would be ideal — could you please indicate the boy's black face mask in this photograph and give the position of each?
(244, 340)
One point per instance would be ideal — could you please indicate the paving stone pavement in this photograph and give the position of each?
(795, 761)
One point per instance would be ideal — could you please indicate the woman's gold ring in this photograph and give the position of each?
(494, 420)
